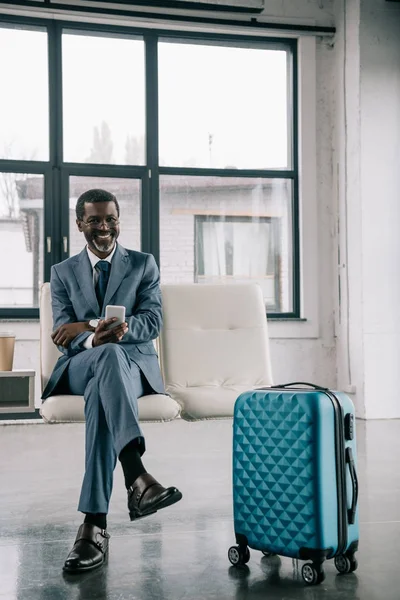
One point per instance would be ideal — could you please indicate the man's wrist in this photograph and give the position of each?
(92, 324)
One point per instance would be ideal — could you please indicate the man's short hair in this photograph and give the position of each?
(93, 196)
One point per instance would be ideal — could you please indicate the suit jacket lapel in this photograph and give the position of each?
(84, 276)
(119, 268)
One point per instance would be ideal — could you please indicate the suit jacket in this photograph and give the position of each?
(134, 283)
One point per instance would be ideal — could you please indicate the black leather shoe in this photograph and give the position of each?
(146, 496)
(90, 549)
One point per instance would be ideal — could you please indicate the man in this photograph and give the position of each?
(111, 368)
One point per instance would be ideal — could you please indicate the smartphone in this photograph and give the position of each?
(115, 311)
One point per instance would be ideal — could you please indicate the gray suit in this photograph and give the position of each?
(112, 376)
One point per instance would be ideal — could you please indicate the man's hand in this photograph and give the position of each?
(64, 334)
(103, 335)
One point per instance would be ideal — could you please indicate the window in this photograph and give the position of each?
(223, 106)
(103, 107)
(225, 229)
(194, 133)
(240, 250)
(21, 239)
(24, 109)
(227, 156)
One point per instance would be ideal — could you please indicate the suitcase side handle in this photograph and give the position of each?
(311, 385)
(351, 512)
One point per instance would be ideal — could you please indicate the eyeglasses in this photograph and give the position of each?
(95, 222)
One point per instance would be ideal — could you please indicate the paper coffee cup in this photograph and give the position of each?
(7, 343)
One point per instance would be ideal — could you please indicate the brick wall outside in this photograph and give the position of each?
(181, 199)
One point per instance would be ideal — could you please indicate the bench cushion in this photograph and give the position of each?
(70, 409)
(213, 346)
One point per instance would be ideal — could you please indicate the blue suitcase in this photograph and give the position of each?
(295, 485)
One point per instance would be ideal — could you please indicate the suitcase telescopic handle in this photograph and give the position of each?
(351, 513)
(311, 385)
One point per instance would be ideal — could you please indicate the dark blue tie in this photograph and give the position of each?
(103, 267)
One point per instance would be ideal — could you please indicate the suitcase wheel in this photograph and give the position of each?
(346, 563)
(312, 574)
(266, 553)
(239, 555)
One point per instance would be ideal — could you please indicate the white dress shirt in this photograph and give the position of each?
(88, 343)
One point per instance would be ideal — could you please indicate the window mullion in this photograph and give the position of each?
(55, 220)
(151, 201)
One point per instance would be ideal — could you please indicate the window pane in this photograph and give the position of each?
(128, 193)
(103, 94)
(223, 107)
(21, 225)
(24, 118)
(225, 230)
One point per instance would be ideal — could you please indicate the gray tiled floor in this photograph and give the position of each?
(179, 553)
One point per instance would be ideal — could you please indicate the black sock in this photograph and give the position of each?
(131, 463)
(98, 519)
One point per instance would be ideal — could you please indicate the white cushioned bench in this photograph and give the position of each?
(213, 345)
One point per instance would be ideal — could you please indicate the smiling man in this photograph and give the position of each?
(111, 368)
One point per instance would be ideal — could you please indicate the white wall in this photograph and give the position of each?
(310, 12)
(367, 190)
(301, 350)
(380, 190)
(346, 202)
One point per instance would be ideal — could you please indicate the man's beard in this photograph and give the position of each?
(106, 245)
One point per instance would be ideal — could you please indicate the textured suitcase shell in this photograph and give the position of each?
(284, 472)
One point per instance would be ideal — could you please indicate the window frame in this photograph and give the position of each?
(56, 172)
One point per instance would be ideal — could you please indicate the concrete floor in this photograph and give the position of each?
(179, 553)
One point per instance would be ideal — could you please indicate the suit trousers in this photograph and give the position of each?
(111, 383)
